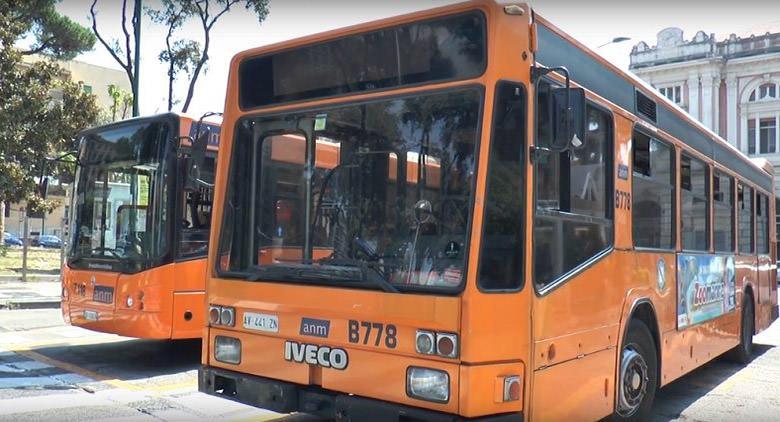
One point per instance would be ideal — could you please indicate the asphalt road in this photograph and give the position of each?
(51, 372)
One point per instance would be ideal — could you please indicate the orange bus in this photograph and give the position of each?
(136, 261)
(567, 240)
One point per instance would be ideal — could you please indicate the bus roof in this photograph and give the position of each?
(587, 69)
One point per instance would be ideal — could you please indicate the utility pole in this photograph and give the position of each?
(25, 241)
(137, 31)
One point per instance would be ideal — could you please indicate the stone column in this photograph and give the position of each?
(693, 96)
(731, 109)
(707, 95)
(744, 136)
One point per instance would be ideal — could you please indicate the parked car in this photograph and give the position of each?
(11, 240)
(49, 241)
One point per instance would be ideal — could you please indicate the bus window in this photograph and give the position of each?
(746, 219)
(195, 211)
(502, 238)
(723, 212)
(573, 221)
(762, 224)
(695, 204)
(653, 193)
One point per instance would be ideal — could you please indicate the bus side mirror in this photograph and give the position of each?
(193, 180)
(568, 118)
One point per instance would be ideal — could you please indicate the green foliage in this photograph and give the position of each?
(41, 111)
(187, 56)
(121, 102)
(55, 35)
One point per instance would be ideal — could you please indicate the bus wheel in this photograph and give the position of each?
(743, 353)
(638, 375)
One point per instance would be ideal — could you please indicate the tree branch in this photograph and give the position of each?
(44, 45)
(125, 66)
(127, 34)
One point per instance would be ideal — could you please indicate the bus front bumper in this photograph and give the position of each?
(285, 397)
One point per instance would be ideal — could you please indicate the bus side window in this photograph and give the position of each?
(501, 253)
(573, 213)
(652, 189)
(762, 224)
(746, 220)
(694, 195)
(196, 210)
(723, 212)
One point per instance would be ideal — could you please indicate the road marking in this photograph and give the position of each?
(78, 370)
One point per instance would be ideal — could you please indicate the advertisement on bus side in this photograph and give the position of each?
(706, 288)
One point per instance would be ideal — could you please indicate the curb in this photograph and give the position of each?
(43, 302)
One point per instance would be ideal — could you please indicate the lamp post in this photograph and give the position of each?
(615, 41)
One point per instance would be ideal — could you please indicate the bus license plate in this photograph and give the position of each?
(261, 322)
(90, 315)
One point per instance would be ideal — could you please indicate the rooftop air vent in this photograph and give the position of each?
(646, 107)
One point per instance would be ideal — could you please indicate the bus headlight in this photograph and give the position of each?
(428, 384)
(129, 301)
(227, 350)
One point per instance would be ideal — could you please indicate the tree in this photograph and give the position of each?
(55, 35)
(40, 111)
(186, 55)
(115, 49)
(120, 99)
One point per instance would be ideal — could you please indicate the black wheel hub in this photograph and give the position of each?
(634, 378)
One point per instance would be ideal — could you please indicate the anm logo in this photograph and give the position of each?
(315, 327)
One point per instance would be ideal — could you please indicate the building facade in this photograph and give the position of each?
(732, 86)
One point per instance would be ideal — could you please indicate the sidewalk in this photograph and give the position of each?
(40, 292)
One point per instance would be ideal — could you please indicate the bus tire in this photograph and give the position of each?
(743, 353)
(637, 374)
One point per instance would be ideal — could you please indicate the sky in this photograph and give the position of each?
(593, 23)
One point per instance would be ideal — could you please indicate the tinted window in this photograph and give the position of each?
(762, 224)
(653, 193)
(746, 219)
(573, 219)
(723, 212)
(502, 240)
(437, 50)
(694, 188)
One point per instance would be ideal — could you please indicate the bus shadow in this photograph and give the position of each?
(672, 400)
(126, 360)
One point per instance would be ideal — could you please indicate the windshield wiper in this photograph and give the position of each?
(342, 270)
(370, 272)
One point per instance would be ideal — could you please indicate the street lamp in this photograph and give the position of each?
(615, 41)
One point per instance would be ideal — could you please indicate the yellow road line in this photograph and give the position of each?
(13, 347)
(77, 370)
(27, 350)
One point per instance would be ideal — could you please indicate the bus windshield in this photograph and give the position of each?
(375, 194)
(121, 196)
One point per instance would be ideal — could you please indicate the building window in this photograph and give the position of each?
(762, 136)
(673, 93)
(765, 92)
